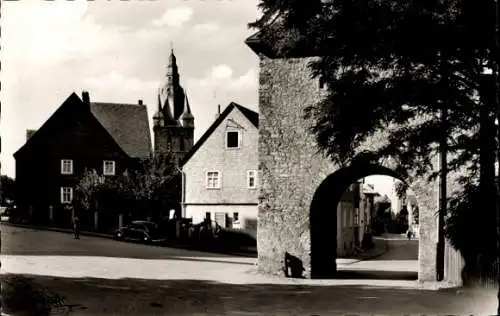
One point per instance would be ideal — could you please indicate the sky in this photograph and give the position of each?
(118, 51)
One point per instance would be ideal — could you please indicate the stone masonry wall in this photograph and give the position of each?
(291, 169)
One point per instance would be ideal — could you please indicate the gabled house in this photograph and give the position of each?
(106, 137)
(220, 171)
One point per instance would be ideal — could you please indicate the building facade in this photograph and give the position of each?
(354, 213)
(81, 135)
(173, 122)
(221, 172)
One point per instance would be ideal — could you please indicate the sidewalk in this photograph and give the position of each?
(380, 248)
(241, 251)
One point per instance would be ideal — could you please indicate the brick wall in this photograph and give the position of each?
(291, 171)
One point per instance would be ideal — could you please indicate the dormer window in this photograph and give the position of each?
(108, 168)
(66, 166)
(233, 139)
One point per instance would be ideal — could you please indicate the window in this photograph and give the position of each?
(181, 144)
(207, 215)
(213, 180)
(233, 139)
(66, 166)
(109, 168)
(251, 179)
(236, 216)
(66, 195)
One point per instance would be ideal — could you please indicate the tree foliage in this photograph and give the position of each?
(8, 188)
(143, 191)
(391, 67)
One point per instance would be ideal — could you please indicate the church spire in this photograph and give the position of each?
(187, 118)
(172, 70)
(158, 118)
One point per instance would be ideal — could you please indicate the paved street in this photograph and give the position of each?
(102, 276)
(400, 262)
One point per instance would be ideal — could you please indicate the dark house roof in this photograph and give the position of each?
(128, 125)
(252, 116)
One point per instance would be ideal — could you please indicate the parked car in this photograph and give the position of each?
(144, 231)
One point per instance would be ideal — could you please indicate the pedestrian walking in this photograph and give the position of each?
(76, 227)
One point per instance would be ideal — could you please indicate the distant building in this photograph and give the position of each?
(348, 224)
(106, 137)
(354, 217)
(221, 179)
(397, 203)
(173, 122)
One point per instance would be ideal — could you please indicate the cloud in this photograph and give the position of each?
(221, 78)
(247, 81)
(51, 32)
(204, 28)
(221, 72)
(131, 87)
(175, 17)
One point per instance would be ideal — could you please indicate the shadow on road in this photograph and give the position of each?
(377, 275)
(91, 296)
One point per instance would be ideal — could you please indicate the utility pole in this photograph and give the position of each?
(443, 164)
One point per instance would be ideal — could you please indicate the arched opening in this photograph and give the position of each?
(345, 223)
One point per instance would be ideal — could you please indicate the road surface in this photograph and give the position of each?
(400, 262)
(104, 277)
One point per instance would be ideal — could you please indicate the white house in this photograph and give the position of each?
(220, 171)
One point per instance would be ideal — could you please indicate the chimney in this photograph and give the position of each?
(218, 112)
(29, 133)
(140, 102)
(85, 97)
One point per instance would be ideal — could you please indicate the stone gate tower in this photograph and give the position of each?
(173, 123)
(299, 187)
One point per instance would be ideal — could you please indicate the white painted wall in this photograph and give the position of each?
(247, 215)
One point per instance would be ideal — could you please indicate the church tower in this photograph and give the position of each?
(173, 123)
